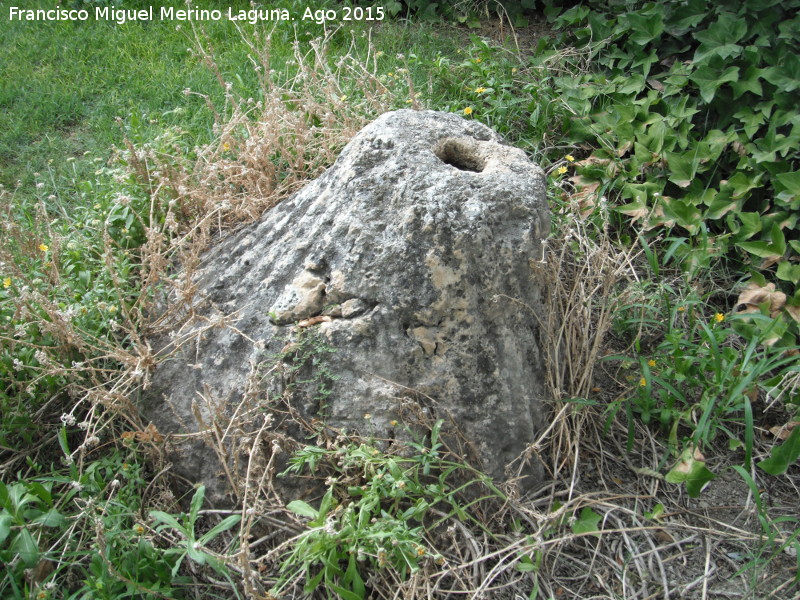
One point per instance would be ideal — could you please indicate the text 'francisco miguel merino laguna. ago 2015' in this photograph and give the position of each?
(169, 13)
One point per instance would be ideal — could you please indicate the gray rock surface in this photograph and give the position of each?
(413, 250)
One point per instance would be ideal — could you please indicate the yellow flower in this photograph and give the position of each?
(681, 309)
(642, 382)
(393, 423)
(651, 363)
(44, 247)
(420, 551)
(719, 317)
(7, 282)
(513, 70)
(477, 60)
(480, 90)
(562, 169)
(570, 158)
(138, 529)
(226, 146)
(468, 111)
(112, 309)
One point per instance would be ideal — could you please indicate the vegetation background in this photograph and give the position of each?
(670, 133)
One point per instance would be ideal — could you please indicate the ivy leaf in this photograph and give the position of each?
(587, 522)
(784, 455)
(751, 224)
(691, 470)
(709, 80)
(788, 272)
(644, 29)
(788, 187)
(748, 83)
(683, 168)
(785, 77)
(721, 38)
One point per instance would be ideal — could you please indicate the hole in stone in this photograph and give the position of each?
(459, 154)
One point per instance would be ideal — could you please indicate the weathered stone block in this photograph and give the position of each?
(414, 251)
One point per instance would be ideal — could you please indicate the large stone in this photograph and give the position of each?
(414, 251)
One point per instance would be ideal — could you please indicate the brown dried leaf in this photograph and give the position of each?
(794, 312)
(657, 219)
(782, 432)
(755, 295)
(585, 195)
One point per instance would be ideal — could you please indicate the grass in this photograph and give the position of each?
(105, 205)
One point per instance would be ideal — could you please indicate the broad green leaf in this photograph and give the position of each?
(643, 29)
(52, 518)
(656, 513)
(587, 522)
(223, 525)
(721, 37)
(720, 206)
(751, 119)
(760, 249)
(5, 526)
(741, 183)
(772, 250)
(196, 503)
(196, 555)
(303, 509)
(788, 271)
(751, 224)
(166, 519)
(352, 578)
(778, 239)
(788, 186)
(783, 456)
(786, 76)
(684, 213)
(26, 547)
(682, 167)
(526, 565)
(709, 80)
(691, 14)
(749, 82)
(345, 594)
(690, 471)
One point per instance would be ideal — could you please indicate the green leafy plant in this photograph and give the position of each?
(689, 119)
(189, 544)
(27, 514)
(699, 382)
(376, 513)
